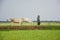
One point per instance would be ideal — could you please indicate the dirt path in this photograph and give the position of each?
(21, 27)
(29, 28)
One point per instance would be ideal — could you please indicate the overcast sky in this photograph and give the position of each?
(47, 9)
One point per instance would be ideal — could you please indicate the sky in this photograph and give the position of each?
(49, 10)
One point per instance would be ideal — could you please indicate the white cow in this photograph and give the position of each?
(20, 20)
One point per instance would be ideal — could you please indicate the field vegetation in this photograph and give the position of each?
(43, 34)
(33, 24)
(30, 35)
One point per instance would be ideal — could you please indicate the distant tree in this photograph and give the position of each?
(38, 19)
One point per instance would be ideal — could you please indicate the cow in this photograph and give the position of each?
(20, 20)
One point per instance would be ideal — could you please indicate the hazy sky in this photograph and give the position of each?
(47, 9)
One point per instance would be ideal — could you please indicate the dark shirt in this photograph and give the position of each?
(38, 18)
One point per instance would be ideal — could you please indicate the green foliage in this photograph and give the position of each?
(44, 25)
(30, 35)
(31, 24)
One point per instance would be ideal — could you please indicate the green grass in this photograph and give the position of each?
(29, 24)
(16, 24)
(47, 25)
(30, 35)
(50, 24)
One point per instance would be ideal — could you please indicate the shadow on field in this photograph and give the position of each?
(7, 28)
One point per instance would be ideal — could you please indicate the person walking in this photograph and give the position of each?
(38, 20)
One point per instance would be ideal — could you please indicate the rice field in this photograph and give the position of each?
(30, 34)
(29, 24)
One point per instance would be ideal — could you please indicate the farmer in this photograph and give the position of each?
(38, 20)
